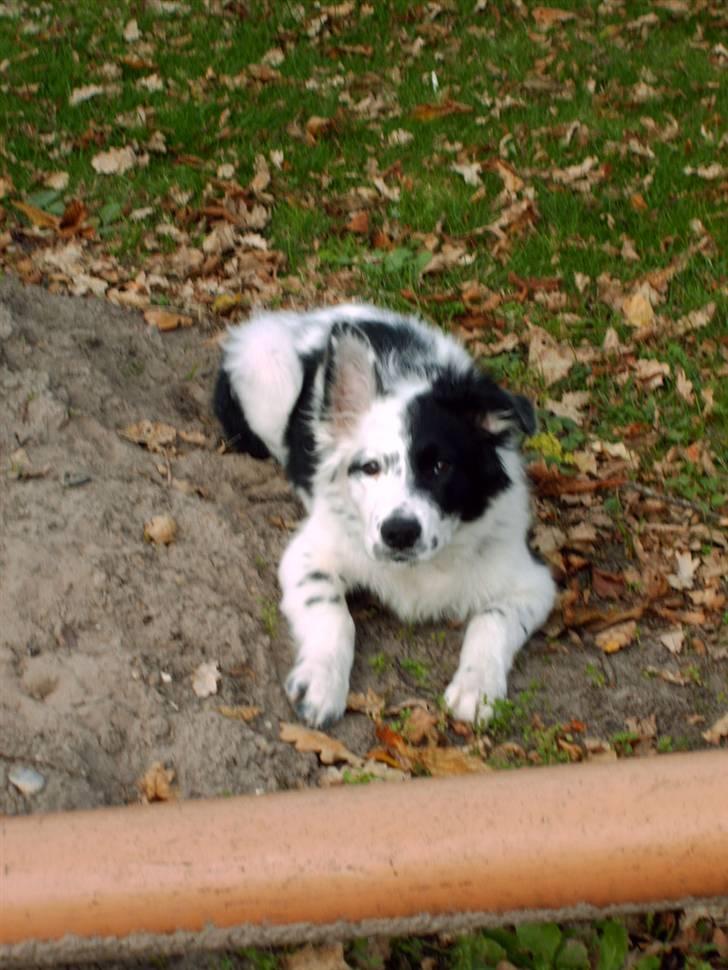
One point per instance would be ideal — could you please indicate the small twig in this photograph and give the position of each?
(682, 503)
(168, 465)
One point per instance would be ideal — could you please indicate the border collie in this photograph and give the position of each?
(406, 459)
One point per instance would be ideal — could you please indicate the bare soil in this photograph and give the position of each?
(100, 631)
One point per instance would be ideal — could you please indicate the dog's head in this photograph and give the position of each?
(420, 457)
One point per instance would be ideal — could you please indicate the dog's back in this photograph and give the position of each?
(268, 387)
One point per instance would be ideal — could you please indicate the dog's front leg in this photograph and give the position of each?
(314, 604)
(492, 640)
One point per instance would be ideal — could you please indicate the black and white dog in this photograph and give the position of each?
(406, 458)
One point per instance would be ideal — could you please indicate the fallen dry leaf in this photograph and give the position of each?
(400, 136)
(644, 731)
(548, 540)
(316, 126)
(116, 161)
(719, 730)
(509, 342)
(573, 751)
(327, 956)
(370, 703)
(616, 449)
(58, 181)
(261, 175)
(512, 181)
(617, 637)
(389, 192)
(696, 319)
(470, 172)
(585, 461)
(263, 73)
(327, 748)
(196, 438)
(226, 302)
(673, 640)
(637, 310)
(205, 678)
(684, 575)
(570, 406)
(151, 83)
(670, 676)
(22, 470)
(606, 584)
(154, 435)
(358, 223)
(451, 255)
(421, 725)
(131, 32)
(429, 112)
(166, 320)
(582, 535)
(575, 174)
(438, 762)
(599, 750)
(515, 220)
(38, 217)
(239, 713)
(84, 93)
(651, 373)
(708, 172)
(549, 481)
(445, 762)
(547, 17)
(551, 359)
(160, 530)
(71, 223)
(684, 386)
(155, 785)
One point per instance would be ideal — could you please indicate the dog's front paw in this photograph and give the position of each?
(471, 694)
(317, 692)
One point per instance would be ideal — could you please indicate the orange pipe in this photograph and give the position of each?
(636, 832)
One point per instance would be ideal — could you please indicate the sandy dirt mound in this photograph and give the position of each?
(101, 632)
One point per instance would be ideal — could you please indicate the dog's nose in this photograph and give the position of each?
(400, 532)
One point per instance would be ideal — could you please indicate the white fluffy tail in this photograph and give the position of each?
(266, 376)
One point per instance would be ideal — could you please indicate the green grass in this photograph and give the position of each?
(511, 717)
(380, 663)
(269, 617)
(416, 669)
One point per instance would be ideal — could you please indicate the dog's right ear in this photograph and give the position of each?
(351, 377)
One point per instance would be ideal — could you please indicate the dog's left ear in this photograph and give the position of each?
(351, 377)
(494, 409)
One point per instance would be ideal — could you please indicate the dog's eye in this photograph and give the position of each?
(439, 467)
(371, 468)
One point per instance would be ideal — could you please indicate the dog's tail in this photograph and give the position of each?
(238, 433)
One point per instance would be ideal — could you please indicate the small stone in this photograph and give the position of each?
(28, 781)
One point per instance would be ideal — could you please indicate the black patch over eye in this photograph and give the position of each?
(453, 459)
(432, 465)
